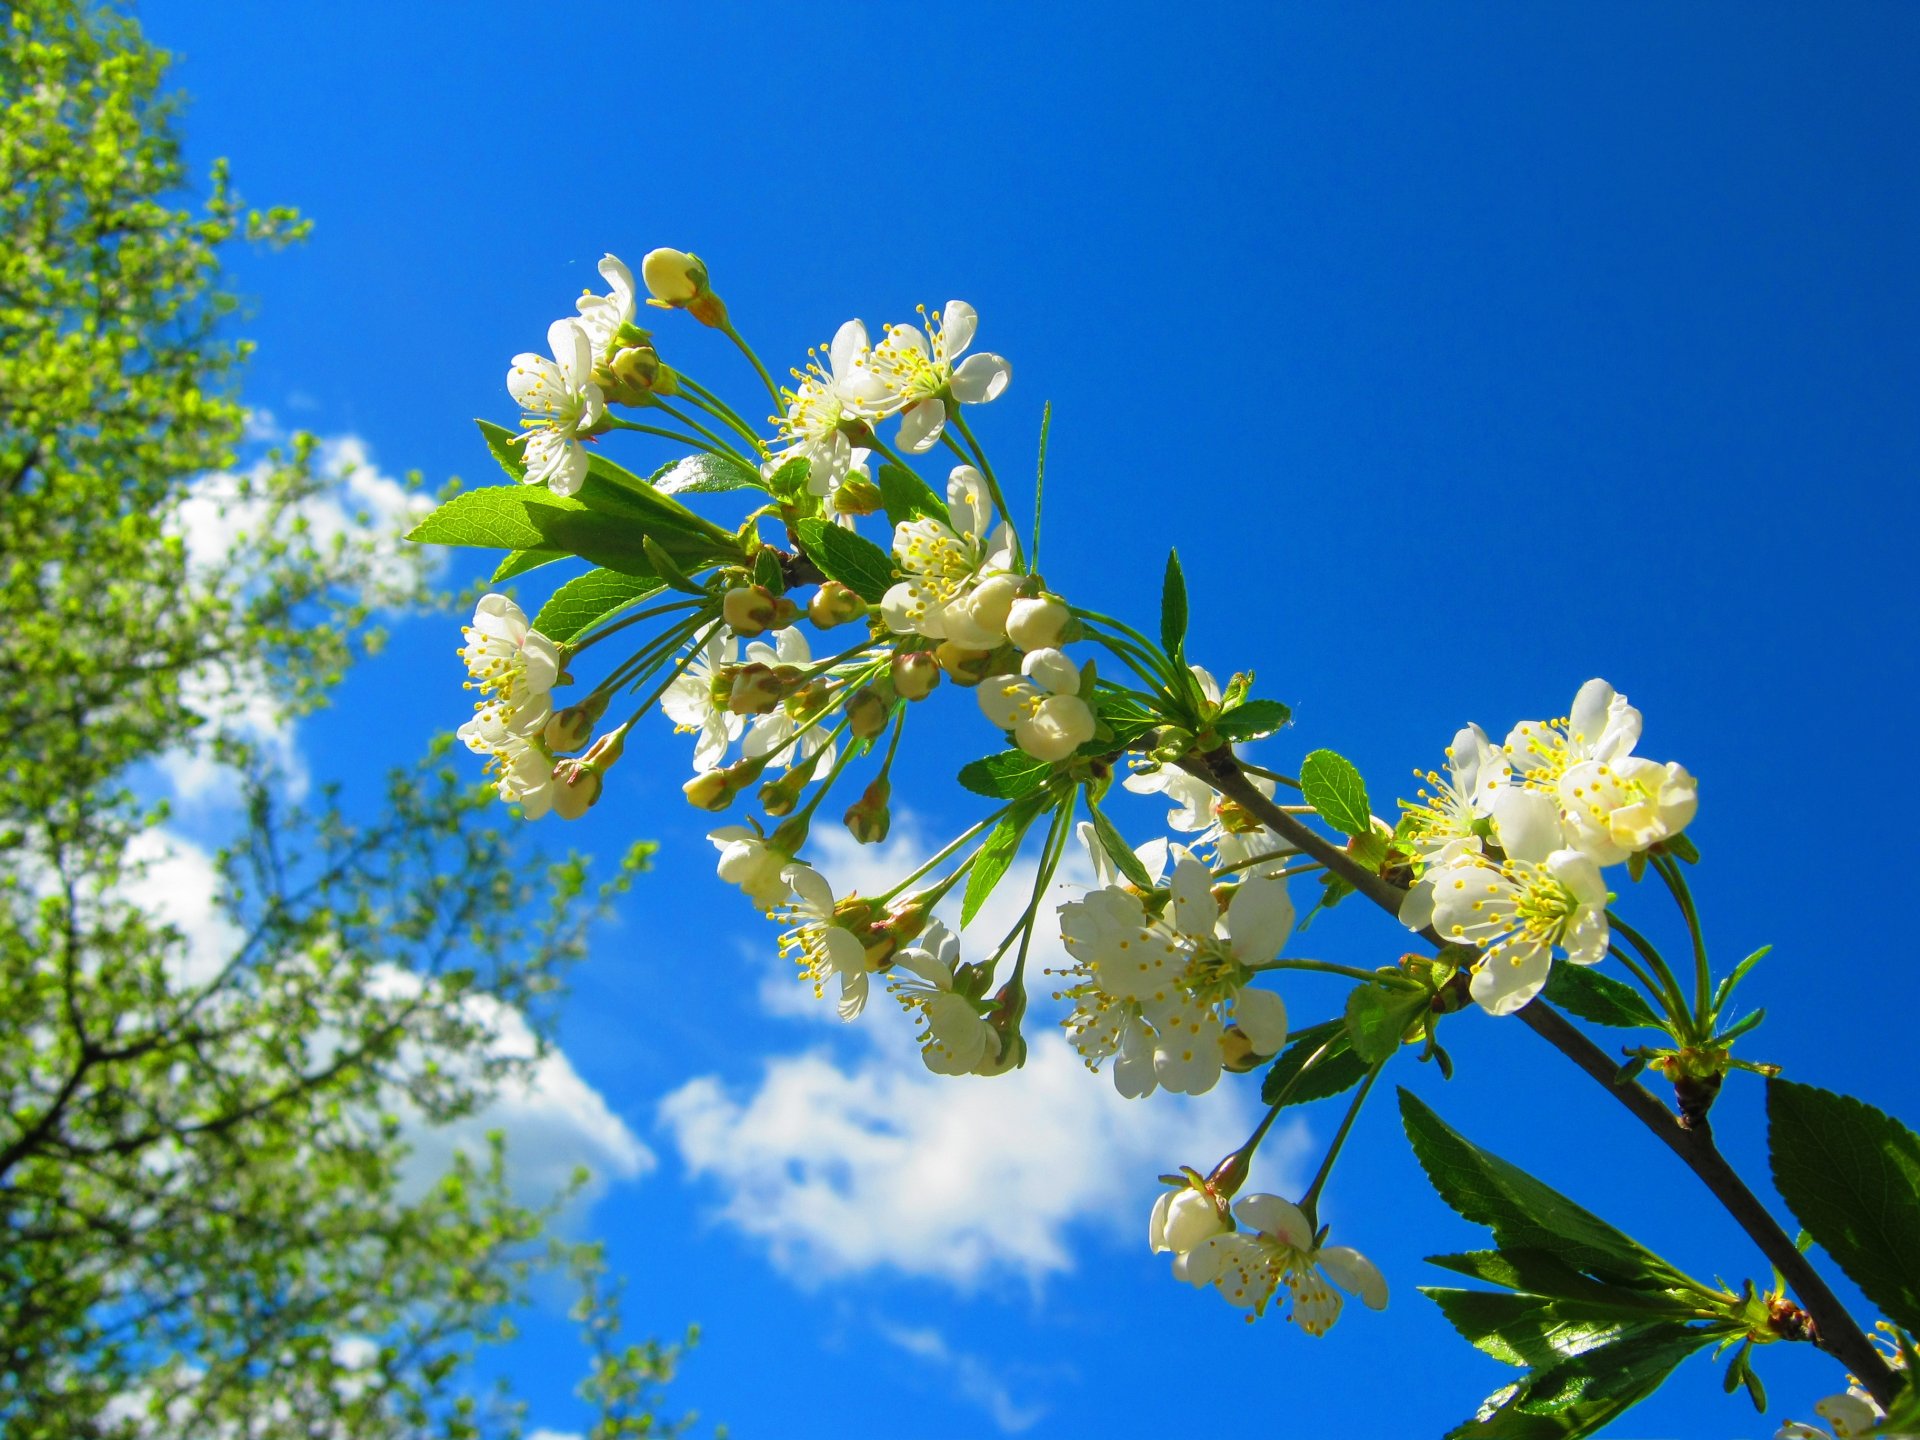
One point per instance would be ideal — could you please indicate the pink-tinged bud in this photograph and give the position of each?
(868, 817)
(1039, 623)
(867, 714)
(748, 609)
(963, 666)
(915, 674)
(755, 690)
(834, 604)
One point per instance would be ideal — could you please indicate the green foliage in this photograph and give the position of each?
(589, 600)
(200, 1160)
(1005, 776)
(1334, 788)
(1173, 609)
(1252, 719)
(856, 562)
(1119, 853)
(1585, 992)
(905, 496)
(1377, 1017)
(1297, 1077)
(1851, 1174)
(996, 855)
(701, 474)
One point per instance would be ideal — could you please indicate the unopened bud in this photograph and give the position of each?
(782, 796)
(580, 787)
(755, 690)
(571, 728)
(635, 375)
(867, 714)
(1230, 1174)
(834, 604)
(962, 665)
(748, 609)
(856, 496)
(868, 817)
(678, 281)
(708, 790)
(915, 674)
(1237, 1052)
(1039, 623)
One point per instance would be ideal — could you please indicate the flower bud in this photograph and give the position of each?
(782, 796)
(856, 496)
(1038, 623)
(868, 817)
(755, 690)
(580, 787)
(678, 281)
(785, 612)
(1237, 1050)
(1189, 1217)
(981, 617)
(915, 674)
(571, 728)
(635, 375)
(834, 604)
(748, 609)
(867, 714)
(963, 666)
(708, 790)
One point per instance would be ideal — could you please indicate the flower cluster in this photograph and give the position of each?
(1508, 846)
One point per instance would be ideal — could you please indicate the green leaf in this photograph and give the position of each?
(1599, 998)
(1629, 1369)
(1523, 1213)
(1118, 851)
(994, 858)
(701, 473)
(791, 478)
(1681, 848)
(1738, 973)
(1377, 1017)
(518, 562)
(501, 517)
(1851, 1175)
(1334, 788)
(856, 562)
(767, 572)
(1173, 608)
(1336, 1071)
(1251, 720)
(1005, 776)
(1539, 1272)
(587, 600)
(907, 497)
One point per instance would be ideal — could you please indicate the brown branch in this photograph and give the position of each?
(1836, 1330)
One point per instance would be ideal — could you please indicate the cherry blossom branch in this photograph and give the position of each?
(1836, 1331)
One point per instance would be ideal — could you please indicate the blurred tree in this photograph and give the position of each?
(208, 1231)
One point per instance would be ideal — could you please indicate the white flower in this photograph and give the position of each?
(774, 729)
(1038, 622)
(818, 943)
(1852, 1413)
(1237, 839)
(601, 316)
(1616, 808)
(1181, 1219)
(844, 389)
(1149, 988)
(513, 667)
(1517, 911)
(525, 776)
(944, 564)
(691, 702)
(958, 1040)
(747, 860)
(1600, 726)
(1246, 1268)
(561, 403)
(919, 372)
(1152, 855)
(1043, 709)
(1449, 820)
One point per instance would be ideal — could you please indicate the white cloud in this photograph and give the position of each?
(545, 1434)
(176, 884)
(976, 1380)
(845, 1166)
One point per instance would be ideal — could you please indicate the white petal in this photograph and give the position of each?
(980, 378)
(1259, 919)
(1262, 1015)
(849, 343)
(921, 424)
(1279, 1218)
(1195, 913)
(1354, 1273)
(1527, 823)
(957, 324)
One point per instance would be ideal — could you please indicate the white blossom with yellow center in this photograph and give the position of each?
(561, 405)
(1600, 726)
(1279, 1247)
(919, 372)
(695, 703)
(818, 943)
(945, 565)
(825, 399)
(514, 668)
(1616, 808)
(957, 1039)
(601, 316)
(1042, 709)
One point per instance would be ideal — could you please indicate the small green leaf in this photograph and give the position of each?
(1746, 1023)
(1599, 998)
(1851, 1175)
(1005, 776)
(702, 473)
(1251, 720)
(1173, 609)
(518, 562)
(766, 571)
(1681, 848)
(587, 600)
(501, 517)
(1377, 1018)
(1339, 1069)
(1523, 1213)
(663, 566)
(791, 478)
(1538, 1272)
(856, 562)
(1739, 973)
(1334, 788)
(1118, 851)
(907, 497)
(995, 856)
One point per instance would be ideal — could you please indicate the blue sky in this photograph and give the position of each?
(1465, 351)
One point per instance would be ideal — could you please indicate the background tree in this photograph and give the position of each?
(201, 1153)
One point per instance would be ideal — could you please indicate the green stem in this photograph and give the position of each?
(574, 647)
(1273, 775)
(946, 851)
(1676, 1002)
(1702, 972)
(699, 429)
(1311, 1200)
(673, 435)
(1040, 483)
(1050, 853)
(747, 350)
(723, 412)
